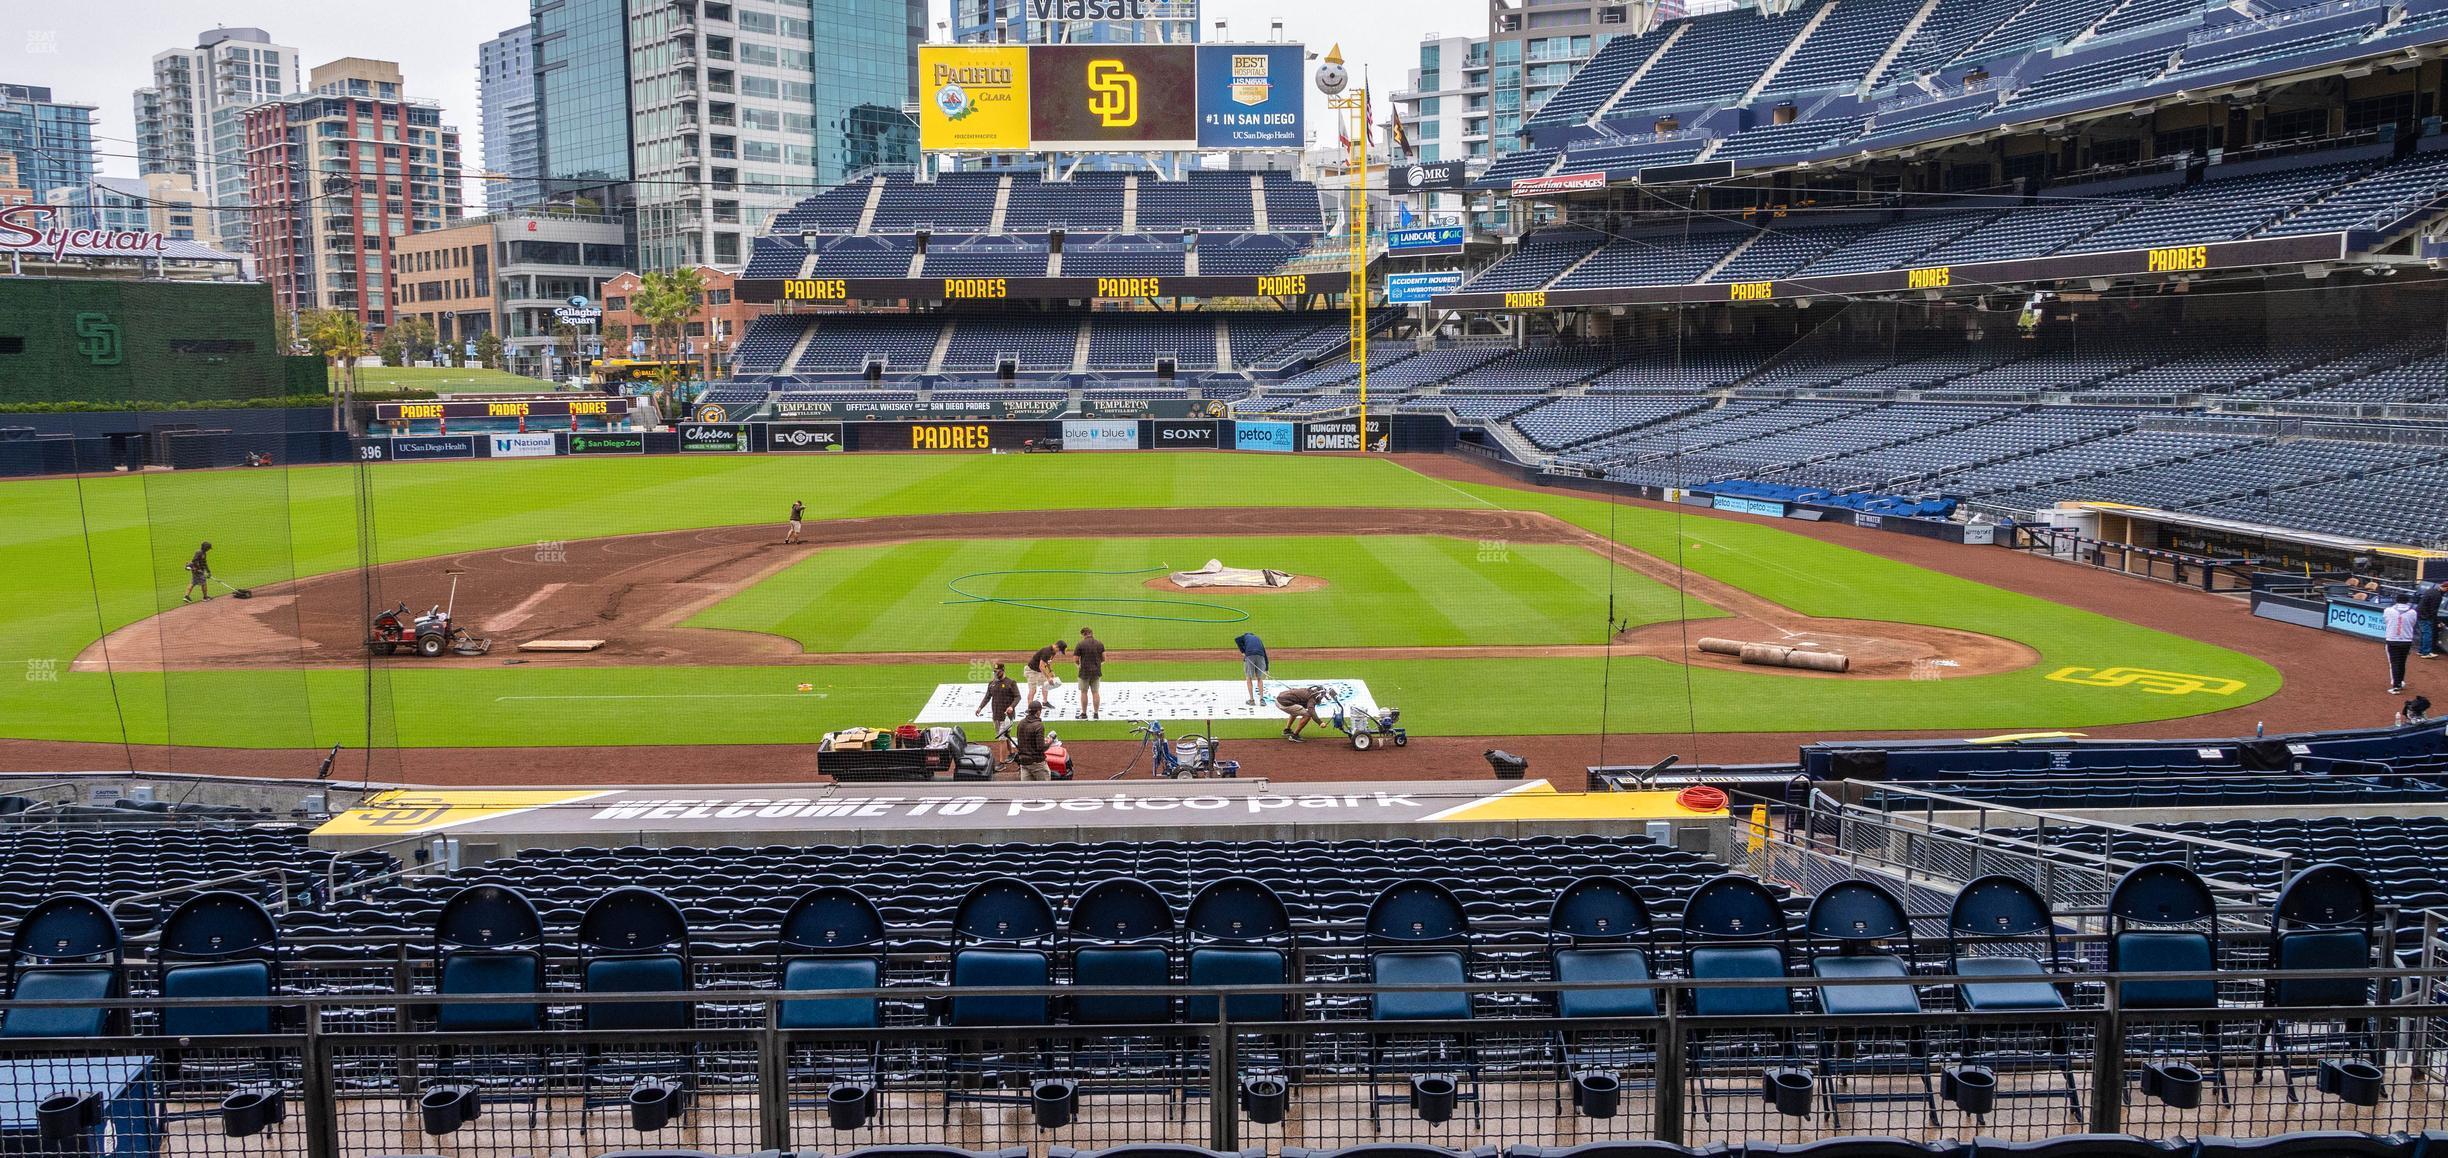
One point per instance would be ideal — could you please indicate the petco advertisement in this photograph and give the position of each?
(2364, 619)
(531, 445)
(1184, 435)
(1743, 506)
(1277, 437)
(803, 436)
(1092, 434)
(415, 449)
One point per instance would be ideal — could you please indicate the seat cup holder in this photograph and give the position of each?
(2352, 1082)
(1266, 1098)
(66, 1121)
(1789, 1090)
(2175, 1084)
(246, 1112)
(1433, 1097)
(1597, 1093)
(1972, 1089)
(1054, 1102)
(446, 1108)
(653, 1105)
(849, 1105)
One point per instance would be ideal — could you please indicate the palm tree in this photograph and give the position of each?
(339, 336)
(666, 302)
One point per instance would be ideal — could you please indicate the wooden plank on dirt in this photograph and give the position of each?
(561, 645)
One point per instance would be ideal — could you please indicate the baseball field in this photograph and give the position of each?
(1482, 610)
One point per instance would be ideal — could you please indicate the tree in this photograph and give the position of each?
(338, 335)
(565, 343)
(488, 350)
(392, 352)
(416, 336)
(666, 302)
(615, 336)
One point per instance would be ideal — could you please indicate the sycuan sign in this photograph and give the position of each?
(29, 229)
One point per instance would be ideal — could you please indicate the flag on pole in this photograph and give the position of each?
(1401, 136)
(1402, 215)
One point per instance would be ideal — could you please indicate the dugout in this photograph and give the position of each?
(2154, 535)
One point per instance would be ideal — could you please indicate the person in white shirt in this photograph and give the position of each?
(2397, 632)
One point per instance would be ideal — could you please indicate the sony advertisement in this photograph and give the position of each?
(1189, 435)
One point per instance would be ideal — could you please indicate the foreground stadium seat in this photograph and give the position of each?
(1734, 930)
(1418, 936)
(1121, 936)
(634, 940)
(489, 941)
(2163, 919)
(2325, 918)
(1856, 930)
(66, 949)
(219, 945)
(2084, 1146)
(2317, 1144)
(831, 940)
(1239, 933)
(1002, 929)
(1598, 930)
(2001, 928)
(1154, 1150)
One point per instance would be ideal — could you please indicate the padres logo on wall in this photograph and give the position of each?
(713, 412)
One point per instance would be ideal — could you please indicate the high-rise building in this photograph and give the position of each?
(1050, 22)
(12, 190)
(504, 274)
(1445, 116)
(1534, 47)
(712, 118)
(192, 119)
(51, 141)
(114, 203)
(336, 176)
(506, 94)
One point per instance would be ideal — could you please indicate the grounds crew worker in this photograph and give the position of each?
(1003, 695)
(199, 574)
(1091, 655)
(1253, 664)
(1301, 704)
(1029, 746)
(1041, 678)
(798, 515)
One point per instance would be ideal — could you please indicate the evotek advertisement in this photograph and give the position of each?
(1250, 96)
(1097, 96)
(973, 96)
(798, 436)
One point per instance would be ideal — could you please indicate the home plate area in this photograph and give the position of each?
(1177, 700)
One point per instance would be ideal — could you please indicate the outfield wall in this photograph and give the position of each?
(91, 340)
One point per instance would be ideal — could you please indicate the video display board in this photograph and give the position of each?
(1047, 97)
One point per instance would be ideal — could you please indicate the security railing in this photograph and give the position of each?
(357, 1076)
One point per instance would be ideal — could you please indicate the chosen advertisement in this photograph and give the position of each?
(534, 444)
(416, 448)
(803, 436)
(1100, 434)
(1406, 289)
(973, 96)
(1096, 96)
(1277, 437)
(714, 437)
(613, 442)
(1342, 435)
(1250, 96)
(1193, 435)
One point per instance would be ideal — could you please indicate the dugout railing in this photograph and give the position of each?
(354, 1073)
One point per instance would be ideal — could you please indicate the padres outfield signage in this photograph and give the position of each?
(592, 406)
(815, 289)
(714, 437)
(1094, 96)
(615, 442)
(968, 436)
(1113, 286)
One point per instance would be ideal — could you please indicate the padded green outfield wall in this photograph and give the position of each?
(95, 340)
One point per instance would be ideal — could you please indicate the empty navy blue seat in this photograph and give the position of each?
(831, 939)
(2001, 928)
(1121, 935)
(1405, 921)
(2149, 910)
(1599, 930)
(66, 949)
(635, 940)
(1859, 919)
(219, 945)
(1004, 923)
(1239, 933)
(489, 939)
(1733, 929)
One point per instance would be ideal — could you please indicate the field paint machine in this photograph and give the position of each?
(1194, 757)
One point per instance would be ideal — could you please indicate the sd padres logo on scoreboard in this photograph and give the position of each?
(1086, 96)
(1114, 94)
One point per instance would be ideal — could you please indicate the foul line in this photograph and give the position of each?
(680, 696)
(1459, 491)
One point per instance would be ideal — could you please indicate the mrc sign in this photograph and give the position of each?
(32, 229)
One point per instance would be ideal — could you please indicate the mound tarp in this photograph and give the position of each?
(1216, 574)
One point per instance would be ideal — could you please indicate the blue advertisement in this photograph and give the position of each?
(1423, 237)
(1250, 96)
(1100, 434)
(1409, 289)
(2368, 620)
(413, 448)
(1274, 436)
(1743, 506)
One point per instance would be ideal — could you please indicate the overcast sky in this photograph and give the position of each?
(100, 52)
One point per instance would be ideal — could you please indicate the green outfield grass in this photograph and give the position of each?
(91, 556)
(446, 379)
(1382, 591)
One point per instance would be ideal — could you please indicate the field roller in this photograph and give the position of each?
(1777, 655)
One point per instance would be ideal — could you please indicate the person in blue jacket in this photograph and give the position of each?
(1253, 664)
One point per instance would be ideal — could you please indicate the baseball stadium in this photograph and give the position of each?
(1862, 587)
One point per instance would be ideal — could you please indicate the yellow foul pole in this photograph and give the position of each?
(1352, 114)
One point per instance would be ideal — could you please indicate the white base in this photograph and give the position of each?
(1187, 700)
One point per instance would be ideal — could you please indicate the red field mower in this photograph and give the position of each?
(428, 635)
